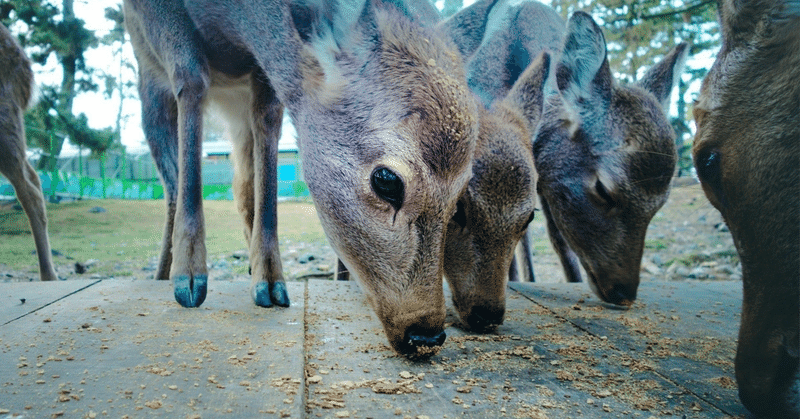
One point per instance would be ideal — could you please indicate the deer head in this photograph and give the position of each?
(498, 203)
(605, 156)
(386, 129)
(747, 155)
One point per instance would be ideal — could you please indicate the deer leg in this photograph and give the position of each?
(160, 124)
(188, 270)
(240, 132)
(527, 256)
(569, 261)
(243, 178)
(28, 187)
(342, 274)
(268, 286)
(513, 274)
(522, 261)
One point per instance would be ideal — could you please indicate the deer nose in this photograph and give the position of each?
(772, 393)
(483, 318)
(418, 337)
(622, 295)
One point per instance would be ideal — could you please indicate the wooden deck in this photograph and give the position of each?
(124, 349)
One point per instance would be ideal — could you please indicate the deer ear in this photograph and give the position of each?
(527, 94)
(582, 73)
(662, 77)
(741, 19)
(467, 27)
(316, 20)
(324, 28)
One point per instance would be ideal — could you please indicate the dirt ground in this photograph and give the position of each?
(687, 239)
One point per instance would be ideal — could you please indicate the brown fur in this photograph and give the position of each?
(591, 129)
(370, 89)
(605, 156)
(747, 154)
(497, 206)
(16, 83)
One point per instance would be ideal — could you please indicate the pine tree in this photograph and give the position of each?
(46, 30)
(640, 32)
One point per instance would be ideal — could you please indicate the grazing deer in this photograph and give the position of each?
(496, 38)
(386, 129)
(497, 205)
(16, 84)
(495, 210)
(605, 156)
(747, 155)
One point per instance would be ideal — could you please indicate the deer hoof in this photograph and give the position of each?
(190, 291)
(266, 294)
(279, 294)
(260, 294)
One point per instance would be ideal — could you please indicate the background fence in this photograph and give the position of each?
(121, 176)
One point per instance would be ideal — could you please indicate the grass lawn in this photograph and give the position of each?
(129, 232)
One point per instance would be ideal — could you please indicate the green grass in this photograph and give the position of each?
(697, 258)
(130, 231)
(655, 244)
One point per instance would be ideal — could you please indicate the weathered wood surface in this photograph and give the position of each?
(112, 348)
(121, 348)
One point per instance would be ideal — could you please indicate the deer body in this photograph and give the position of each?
(16, 86)
(747, 155)
(386, 131)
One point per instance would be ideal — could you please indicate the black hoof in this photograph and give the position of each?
(266, 295)
(190, 292)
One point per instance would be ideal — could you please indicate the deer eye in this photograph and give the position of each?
(603, 194)
(708, 164)
(388, 186)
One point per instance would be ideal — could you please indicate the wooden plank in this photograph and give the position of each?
(684, 331)
(20, 298)
(538, 364)
(124, 348)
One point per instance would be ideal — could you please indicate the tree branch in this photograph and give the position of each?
(675, 12)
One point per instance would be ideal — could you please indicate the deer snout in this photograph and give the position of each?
(622, 295)
(419, 338)
(416, 333)
(485, 318)
(771, 389)
(619, 293)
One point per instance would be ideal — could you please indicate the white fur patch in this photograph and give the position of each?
(232, 98)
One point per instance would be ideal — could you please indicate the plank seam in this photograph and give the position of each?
(662, 376)
(304, 397)
(52, 302)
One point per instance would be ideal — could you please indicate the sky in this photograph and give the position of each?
(102, 111)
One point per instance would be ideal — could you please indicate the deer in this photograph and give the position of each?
(500, 200)
(603, 155)
(16, 87)
(746, 153)
(386, 128)
(498, 196)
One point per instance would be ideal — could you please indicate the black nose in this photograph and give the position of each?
(418, 338)
(622, 295)
(483, 319)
